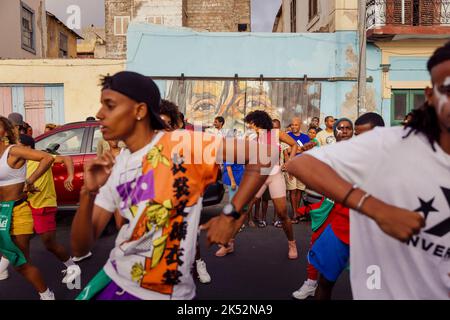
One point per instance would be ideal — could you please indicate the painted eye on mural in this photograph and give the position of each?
(203, 107)
(256, 104)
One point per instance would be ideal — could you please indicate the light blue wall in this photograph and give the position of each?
(161, 51)
(408, 69)
(405, 69)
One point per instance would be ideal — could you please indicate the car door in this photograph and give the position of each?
(72, 143)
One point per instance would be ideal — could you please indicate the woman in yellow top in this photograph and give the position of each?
(16, 222)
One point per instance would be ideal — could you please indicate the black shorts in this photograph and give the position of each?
(266, 195)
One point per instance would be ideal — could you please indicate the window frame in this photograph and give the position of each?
(122, 19)
(410, 94)
(293, 15)
(71, 153)
(25, 7)
(63, 35)
(153, 20)
(311, 14)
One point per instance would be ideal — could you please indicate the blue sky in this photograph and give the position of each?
(92, 12)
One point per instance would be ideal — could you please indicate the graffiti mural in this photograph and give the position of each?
(203, 100)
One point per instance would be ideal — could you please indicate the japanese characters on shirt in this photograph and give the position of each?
(155, 250)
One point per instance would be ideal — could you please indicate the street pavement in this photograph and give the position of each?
(258, 269)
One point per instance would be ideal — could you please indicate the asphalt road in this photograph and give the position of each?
(258, 269)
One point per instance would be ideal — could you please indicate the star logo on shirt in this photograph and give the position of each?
(426, 207)
(443, 228)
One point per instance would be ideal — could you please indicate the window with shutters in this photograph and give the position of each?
(121, 25)
(27, 27)
(63, 46)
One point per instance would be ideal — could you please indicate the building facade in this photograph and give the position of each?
(26, 35)
(201, 15)
(407, 33)
(61, 41)
(93, 45)
(317, 16)
(233, 74)
(401, 35)
(53, 91)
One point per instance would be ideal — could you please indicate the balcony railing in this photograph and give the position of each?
(408, 13)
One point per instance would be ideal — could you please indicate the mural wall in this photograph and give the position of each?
(203, 100)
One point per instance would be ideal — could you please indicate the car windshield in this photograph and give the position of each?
(69, 141)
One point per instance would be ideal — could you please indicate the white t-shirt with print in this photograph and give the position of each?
(325, 138)
(128, 253)
(404, 172)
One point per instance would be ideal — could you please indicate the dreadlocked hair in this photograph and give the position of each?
(424, 120)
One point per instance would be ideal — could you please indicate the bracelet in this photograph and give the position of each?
(361, 202)
(354, 187)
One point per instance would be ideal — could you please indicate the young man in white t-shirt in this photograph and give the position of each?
(401, 191)
(326, 137)
(157, 184)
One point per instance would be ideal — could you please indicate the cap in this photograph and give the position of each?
(16, 119)
(140, 89)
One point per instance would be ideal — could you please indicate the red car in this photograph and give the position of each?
(79, 141)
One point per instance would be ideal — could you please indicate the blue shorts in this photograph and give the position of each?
(329, 255)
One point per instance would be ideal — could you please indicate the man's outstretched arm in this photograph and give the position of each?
(259, 159)
(397, 222)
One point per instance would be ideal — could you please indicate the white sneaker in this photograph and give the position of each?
(4, 275)
(306, 290)
(47, 295)
(203, 274)
(78, 259)
(71, 273)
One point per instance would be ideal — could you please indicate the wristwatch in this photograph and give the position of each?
(230, 210)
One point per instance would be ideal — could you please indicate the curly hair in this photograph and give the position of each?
(171, 110)
(9, 128)
(260, 119)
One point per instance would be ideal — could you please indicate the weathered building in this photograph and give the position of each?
(93, 45)
(401, 35)
(23, 25)
(61, 41)
(218, 15)
(201, 15)
(53, 91)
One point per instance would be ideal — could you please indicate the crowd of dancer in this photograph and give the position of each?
(383, 196)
